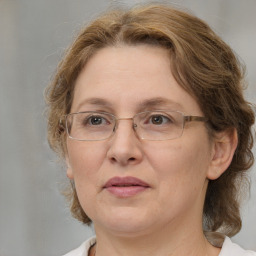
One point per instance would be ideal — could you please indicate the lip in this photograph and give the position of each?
(125, 186)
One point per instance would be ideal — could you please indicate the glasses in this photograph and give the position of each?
(149, 125)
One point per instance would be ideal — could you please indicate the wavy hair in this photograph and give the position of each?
(201, 63)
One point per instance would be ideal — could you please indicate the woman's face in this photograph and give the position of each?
(173, 173)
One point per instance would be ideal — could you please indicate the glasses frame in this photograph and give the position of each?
(186, 119)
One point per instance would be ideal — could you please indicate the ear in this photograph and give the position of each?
(70, 174)
(224, 146)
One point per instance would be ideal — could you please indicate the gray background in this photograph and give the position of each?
(34, 218)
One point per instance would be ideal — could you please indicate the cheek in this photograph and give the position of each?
(85, 160)
(181, 175)
(84, 156)
(181, 164)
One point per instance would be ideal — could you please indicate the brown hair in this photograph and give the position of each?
(201, 63)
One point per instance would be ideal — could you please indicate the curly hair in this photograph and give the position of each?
(201, 63)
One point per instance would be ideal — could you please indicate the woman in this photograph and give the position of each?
(147, 110)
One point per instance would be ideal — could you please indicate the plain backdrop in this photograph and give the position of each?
(34, 217)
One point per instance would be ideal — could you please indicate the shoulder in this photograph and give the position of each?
(83, 249)
(230, 248)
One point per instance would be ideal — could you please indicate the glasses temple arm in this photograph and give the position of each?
(195, 118)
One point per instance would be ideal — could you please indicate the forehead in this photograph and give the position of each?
(130, 77)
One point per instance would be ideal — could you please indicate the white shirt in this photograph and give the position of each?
(228, 249)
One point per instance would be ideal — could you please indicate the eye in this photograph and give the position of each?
(96, 120)
(159, 119)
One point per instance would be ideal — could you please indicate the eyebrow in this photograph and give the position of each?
(152, 103)
(159, 102)
(95, 101)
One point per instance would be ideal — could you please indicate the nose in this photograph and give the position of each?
(125, 148)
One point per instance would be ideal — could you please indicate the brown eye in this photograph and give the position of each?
(159, 119)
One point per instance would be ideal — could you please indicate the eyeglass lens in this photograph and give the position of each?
(149, 125)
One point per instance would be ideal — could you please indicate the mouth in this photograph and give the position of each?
(125, 186)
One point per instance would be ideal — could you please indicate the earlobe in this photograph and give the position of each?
(225, 144)
(69, 170)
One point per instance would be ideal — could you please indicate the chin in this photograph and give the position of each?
(126, 222)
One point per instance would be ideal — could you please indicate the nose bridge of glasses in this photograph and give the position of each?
(125, 119)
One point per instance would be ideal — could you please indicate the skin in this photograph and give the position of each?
(165, 219)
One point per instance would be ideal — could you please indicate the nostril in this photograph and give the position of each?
(113, 160)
